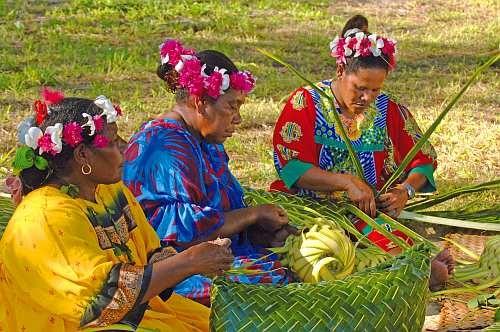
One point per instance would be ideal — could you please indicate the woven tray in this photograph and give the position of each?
(452, 314)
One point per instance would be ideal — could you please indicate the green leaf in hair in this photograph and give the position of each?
(26, 158)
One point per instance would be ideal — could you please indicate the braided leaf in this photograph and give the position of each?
(389, 297)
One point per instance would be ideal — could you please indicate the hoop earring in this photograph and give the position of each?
(86, 169)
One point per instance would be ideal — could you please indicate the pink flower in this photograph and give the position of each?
(340, 47)
(352, 43)
(389, 50)
(389, 47)
(72, 134)
(213, 84)
(46, 145)
(172, 50)
(100, 141)
(98, 123)
(190, 77)
(51, 96)
(242, 80)
(364, 47)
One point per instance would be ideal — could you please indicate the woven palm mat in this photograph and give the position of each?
(452, 314)
(388, 297)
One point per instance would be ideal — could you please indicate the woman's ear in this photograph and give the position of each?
(81, 154)
(199, 104)
(340, 71)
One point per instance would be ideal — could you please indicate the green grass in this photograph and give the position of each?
(87, 48)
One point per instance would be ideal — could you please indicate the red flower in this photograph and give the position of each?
(40, 111)
(51, 96)
(98, 123)
(389, 47)
(243, 81)
(190, 77)
(352, 43)
(118, 110)
(213, 84)
(100, 141)
(364, 47)
(174, 49)
(72, 134)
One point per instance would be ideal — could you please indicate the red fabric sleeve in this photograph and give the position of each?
(293, 136)
(404, 133)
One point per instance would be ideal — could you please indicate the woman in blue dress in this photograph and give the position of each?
(177, 168)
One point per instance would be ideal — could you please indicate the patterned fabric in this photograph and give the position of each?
(66, 263)
(387, 133)
(184, 187)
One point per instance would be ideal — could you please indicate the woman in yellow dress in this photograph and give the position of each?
(78, 252)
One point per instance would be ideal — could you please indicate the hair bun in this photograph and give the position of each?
(356, 22)
(168, 74)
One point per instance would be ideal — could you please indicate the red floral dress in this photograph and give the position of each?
(305, 136)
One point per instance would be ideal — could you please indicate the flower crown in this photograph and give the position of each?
(356, 43)
(190, 73)
(51, 141)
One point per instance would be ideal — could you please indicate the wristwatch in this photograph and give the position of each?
(409, 190)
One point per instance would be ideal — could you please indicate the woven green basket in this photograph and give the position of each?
(389, 297)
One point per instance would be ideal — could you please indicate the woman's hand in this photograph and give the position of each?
(362, 195)
(211, 258)
(394, 201)
(263, 238)
(270, 217)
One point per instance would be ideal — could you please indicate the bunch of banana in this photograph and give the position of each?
(320, 253)
(488, 266)
(369, 257)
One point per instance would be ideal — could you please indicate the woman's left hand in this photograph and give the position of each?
(261, 237)
(394, 201)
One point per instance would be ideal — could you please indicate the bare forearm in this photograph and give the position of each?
(320, 180)
(169, 272)
(416, 180)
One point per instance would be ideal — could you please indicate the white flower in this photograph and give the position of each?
(178, 67)
(225, 79)
(203, 70)
(380, 43)
(32, 136)
(108, 109)
(90, 123)
(351, 32)
(55, 133)
(334, 43)
(164, 59)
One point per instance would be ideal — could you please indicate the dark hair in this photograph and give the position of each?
(66, 111)
(354, 64)
(210, 58)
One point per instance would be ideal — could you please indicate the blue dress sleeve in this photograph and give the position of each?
(164, 171)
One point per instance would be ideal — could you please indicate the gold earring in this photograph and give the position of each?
(86, 169)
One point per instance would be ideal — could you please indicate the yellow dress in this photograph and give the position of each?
(68, 264)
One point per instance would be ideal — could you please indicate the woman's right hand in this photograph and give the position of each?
(362, 195)
(270, 217)
(210, 258)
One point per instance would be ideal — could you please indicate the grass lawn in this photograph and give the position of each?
(87, 48)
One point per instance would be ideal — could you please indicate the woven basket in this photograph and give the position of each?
(389, 297)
